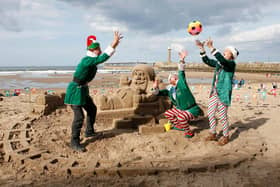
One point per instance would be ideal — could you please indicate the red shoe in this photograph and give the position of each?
(188, 134)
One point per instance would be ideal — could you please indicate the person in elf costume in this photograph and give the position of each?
(220, 96)
(184, 107)
(77, 93)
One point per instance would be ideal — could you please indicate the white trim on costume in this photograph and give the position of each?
(203, 55)
(168, 87)
(109, 50)
(219, 63)
(181, 67)
(215, 51)
(91, 54)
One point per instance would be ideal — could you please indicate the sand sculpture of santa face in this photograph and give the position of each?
(141, 76)
(131, 92)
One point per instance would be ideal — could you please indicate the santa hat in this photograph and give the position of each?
(91, 42)
(234, 51)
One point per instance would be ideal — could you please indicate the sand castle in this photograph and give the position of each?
(133, 104)
(45, 104)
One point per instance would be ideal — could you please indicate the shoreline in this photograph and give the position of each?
(109, 79)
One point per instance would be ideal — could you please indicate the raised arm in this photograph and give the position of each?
(205, 59)
(229, 65)
(109, 51)
(157, 91)
(181, 67)
(181, 72)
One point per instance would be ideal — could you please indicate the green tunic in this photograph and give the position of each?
(226, 69)
(184, 98)
(85, 71)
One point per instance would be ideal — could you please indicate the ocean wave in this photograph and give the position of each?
(55, 72)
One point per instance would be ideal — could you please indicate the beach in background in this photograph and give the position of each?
(54, 77)
(251, 156)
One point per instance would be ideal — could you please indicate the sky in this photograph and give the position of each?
(53, 32)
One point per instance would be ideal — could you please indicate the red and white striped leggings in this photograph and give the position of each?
(215, 105)
(180, 118)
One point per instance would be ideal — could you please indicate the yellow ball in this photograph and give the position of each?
(194, 28)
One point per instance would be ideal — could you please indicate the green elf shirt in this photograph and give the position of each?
(224, 72)
(86, 70)
(181, 96)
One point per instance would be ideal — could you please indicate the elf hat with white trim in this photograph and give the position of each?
(233, 50)
(91, 42)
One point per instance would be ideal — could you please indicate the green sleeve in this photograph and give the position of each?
(97, 60)
(163, 92)
(209, 62)
(182, 78)
(228, 65)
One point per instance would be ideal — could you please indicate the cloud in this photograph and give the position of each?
(224, 29)
(9, 13)
(168, 15)
(101, 23)
(148, 26)
(265, 33)
(30, 35)
(19, 15)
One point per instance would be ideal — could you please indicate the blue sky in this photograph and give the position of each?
(53, 32)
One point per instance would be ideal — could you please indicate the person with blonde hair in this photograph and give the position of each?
(184, 107)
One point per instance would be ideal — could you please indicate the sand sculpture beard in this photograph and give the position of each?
(139, 81)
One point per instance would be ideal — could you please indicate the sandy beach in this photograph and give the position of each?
(127, 158)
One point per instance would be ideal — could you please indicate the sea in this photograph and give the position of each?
(21, 77)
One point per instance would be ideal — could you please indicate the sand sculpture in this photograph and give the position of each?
(133, 104)
(131, 92)
(45, 104)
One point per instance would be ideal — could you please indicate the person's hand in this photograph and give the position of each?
(156, 84)
(183, 55)
(209, 43)
(199, 44)
(117, 37)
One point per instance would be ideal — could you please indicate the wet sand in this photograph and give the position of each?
(127, 158)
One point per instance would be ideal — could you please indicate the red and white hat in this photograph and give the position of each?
(91, 42)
